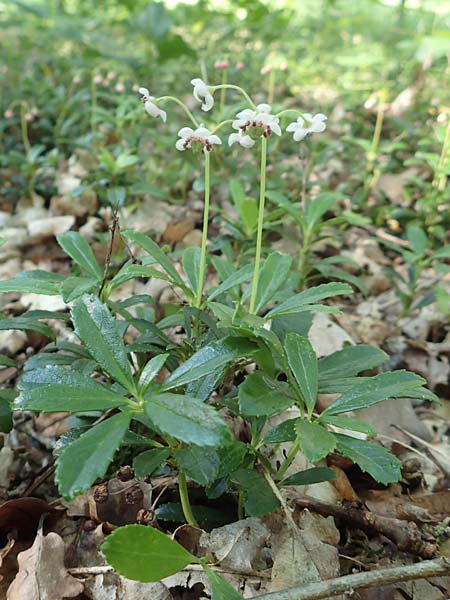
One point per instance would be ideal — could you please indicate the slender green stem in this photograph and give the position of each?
(289, 110)
(222, 124)
(229, 86)
(180, 103)
(440, 177)
(93, 103)
(304, 258)
(24, 127)
(287, 461)
(184, 497)
(372, 154)
(202, 267)
(262, 197)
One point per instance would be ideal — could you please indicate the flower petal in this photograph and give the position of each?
(246, 141)
(264, 108)
(208, 102)
(275, 128)
(294, 126)
(300, 134)
(234, 138)
(214, 139)
(180, 145)
(185, 132)
(144, 91)
(202, 132)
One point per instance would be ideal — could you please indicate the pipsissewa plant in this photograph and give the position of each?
(245, 352)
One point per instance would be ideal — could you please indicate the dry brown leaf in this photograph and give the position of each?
(42, 574)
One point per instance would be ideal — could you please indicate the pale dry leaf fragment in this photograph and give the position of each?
(42, 574)
(326, 336)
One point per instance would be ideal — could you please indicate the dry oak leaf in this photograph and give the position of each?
(42, 574)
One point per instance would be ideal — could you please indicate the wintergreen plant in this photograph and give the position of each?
(244, 353)
(413, 290)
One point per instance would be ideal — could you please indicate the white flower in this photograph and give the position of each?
(150, 106)
(202, 94)
(200, 139)
(242, 139)
(306, 125)
(257, 122)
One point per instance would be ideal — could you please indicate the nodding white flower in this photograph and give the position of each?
(307, 125)
(150, 106)
(242, 139)
(200, 139)
(257, 123)
(202, 94)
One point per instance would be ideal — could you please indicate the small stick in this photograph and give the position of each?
(113, 229)
(370, 579)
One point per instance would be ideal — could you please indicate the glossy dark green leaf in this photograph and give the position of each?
(34, 282)
(98, 330)
(191, 266)
(150, 371)
(155, 251)
(187, 419)
(74, 287)
(5, 361)
(5, 414)
(25, 324)
(146, 462)
(241, 276)
(376, 389)
(315, 441)
(284, 432)
(220, 588)
(89, 456)
(145, 554)
(301, 302)
(79, 251)
(67, 398)
(310, 476)
(259, 498)
(261, 396)
(371, 458)
(199, 464)
(319, 206)
(349, 423)
(273, 274)
(417, 238)
(350, 361)
(303, 364)
(209, 359)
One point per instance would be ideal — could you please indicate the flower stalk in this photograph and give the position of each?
(262, 197)
(184, 498)
(202, 266)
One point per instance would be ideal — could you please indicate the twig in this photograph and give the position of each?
(406, 535)
(349, 583)
(113, 229)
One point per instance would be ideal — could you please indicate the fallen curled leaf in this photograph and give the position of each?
(42, 574)
(23, 514)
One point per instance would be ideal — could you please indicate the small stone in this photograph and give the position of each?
(50, 226)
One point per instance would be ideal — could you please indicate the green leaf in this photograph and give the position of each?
(375, 389)
(191, 266)
(304, 300)
(261, 396)
(155, 251)
(310, 476)
(89, 456)
(319, 206)
(443, 252)
(79, 250)
(146, 462)
(5, 361)
(199, 464)
(150, 371)
(371, 458)
(350, 361)
(349, 423)
(303, 364)
(248, 211)
(208, 359)
(220, 588)
(187, 419)
(25, 324)
(241, 276)
(34, 282)
(55, 389)
(273, 274)
(97, 329)
(417, 238)
(284, 432)
(74, 287)
(315, 441)
(259, 498)
(145, 554)
(132, 271)
(5, 415)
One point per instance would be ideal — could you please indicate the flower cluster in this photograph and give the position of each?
(200, 139)
(251, 123)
